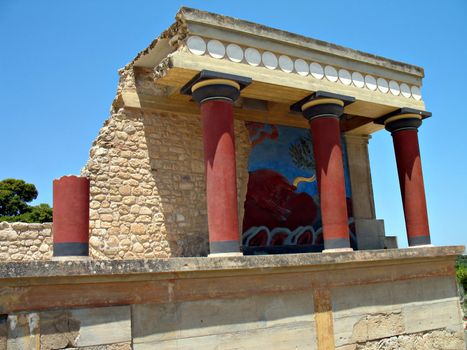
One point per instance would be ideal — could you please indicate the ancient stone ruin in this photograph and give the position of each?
(227, 203)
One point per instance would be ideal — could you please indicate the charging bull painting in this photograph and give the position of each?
(282, 201)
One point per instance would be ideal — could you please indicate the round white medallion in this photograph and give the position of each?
(301, 67)
(331, 73)
(286, 64)
(216, 49)
(345, 77)
(405, 90)
(370, 82)
(196, 45)
(252, 56)
(382, 85)
(357, 79)
(316, 70)
(269, 60)
(394, 88)
(416, 93)
(234, 53)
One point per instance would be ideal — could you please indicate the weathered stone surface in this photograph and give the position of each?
(369, 312)
(104, 325)
(58, 329)
(147, 180)
(437, 314)
(311, 260)
(377, 326)
(119, 346)
(3, 332)
(272, 321)
(435, 340)
(24, 241)
(23, 332)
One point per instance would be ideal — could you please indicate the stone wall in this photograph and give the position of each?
(146, 172)
(148, 188)
(385, 299)
(24, 241)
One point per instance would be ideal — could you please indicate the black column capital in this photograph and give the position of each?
(403, 119)
(322, 104)
(209, 85)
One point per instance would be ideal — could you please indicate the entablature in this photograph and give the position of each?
(284, 68)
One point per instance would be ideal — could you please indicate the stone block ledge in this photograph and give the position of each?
(271, 263)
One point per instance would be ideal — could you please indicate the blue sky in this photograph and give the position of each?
(59, 62)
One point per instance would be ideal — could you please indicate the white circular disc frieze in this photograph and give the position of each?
(285, 63)
(269, 60)
(394, 88)
(196, 45)
(370, 82)
(331, 73)
(234, 53)
(358, 80)
(252, 56)
(345, 77)
(382, 85)
(216, 49)
(316, 70)
(405, 90)
(301, 67)
(416, 93)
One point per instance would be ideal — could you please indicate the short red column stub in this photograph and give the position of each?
(71, 215)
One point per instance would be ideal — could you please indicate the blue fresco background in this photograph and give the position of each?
(274, 154)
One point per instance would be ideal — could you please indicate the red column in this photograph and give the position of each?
(409, 168)
(71, 216)
(216, 99)
(323, 115)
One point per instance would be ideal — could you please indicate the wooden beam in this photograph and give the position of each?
(268, 112)
(350, 122)
(186, 107)
(323, 319)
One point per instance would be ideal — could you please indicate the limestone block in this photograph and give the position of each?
(378, 326)
(105, 325)
(272, 321)
(119, 346)
(58, 329)
(3, 331)
(283, 338)
(390, 242)
(439, 340)
(370, 233)
(23, 332)
(358, 308)
(420, 317)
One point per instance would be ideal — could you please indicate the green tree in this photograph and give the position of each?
(461, 274)
(14, 197)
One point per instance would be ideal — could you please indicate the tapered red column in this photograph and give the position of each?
(216, 97)
(323, 115)
(404, 130)
(71, 216)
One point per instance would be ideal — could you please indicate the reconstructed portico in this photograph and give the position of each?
(238, 70)
(229, 202)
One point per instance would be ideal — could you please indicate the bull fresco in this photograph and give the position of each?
(282, 203)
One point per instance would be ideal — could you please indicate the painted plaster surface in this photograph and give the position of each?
(282, 202)
(275, 321)
(274, 61)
